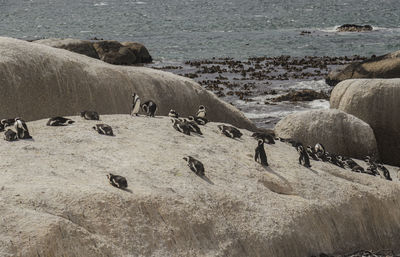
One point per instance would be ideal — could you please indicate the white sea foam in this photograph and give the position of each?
(316, 85)
(100, 4)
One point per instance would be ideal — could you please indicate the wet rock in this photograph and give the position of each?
(303, 95)
(385, 66)
(354, 28)
(114, 52)
(140, 51)
(84, 47)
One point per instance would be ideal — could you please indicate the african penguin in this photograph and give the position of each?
(7, 122)
(1, 127)
(311, 153)
(260, 155)
(195, 165)
(90, 115)
(193, 126)
(385, 171)
(199, 121)
(173, 114)
(181, 126)
(22, 129)
(104, 129)
(117, 181)
(265, 136)
(135, 105)
(10, 135)
(230, 131)
(59, 121)
(303, 158)
(201, 113)
(319, 150)
(149, 108)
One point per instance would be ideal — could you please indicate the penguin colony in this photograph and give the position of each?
(191, 125)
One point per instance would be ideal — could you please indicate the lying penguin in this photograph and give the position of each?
(117, 181)
(90, 115)
(181, 126)
(198, 120)
(193, 126)
(7, 122)
(104, 129)
(195, 165)
(59, 121)
(230, 131)
(10, 135)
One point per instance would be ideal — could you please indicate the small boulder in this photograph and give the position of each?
(114, 52)
(140, 51)
(84, 47)
(339, 132)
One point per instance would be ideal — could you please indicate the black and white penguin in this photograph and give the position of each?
(230, 131)
(104, 129)
(59, 121)
(311, 153)
(135, 105)
(201, 113)
(333, 158)
(181, 126)
(303, 156)
(269, 138)
(199, 121)
(22, 129)
(7, 122)
(149, 108)
(90, 115)
(195, 165)
(10, 135)
(260, 155)
(319, 150)
(117, 181)
(173, 114)
(1, 127)
(385, 171)
(193, 126)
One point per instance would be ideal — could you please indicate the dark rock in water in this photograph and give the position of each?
(303, 95)
(354, 28)
(364, 253)
(114, 52)
(384, 66)
(126, 53)
(140, 51)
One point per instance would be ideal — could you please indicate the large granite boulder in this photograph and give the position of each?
(110, 51)
(385, 66)
(55, 199)
(39, 81)
(375, 101)
(339, 132)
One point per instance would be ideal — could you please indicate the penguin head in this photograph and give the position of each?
(133, 95)
(186, 158)
(201, 107)
(191, 118)
(220, 127)
(260, 141)
(109, 175)
(94, 127)
(18, 118)
(83, 113)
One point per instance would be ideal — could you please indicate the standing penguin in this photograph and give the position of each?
(135, 105)
(117, 181)
(260, 155)
(22, 129)
(201, 113)
(10, 135)
(303, 158)
(319, 150)
(195, 165)
(149, 108)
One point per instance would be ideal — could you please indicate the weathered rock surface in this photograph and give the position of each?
(57, 201)
(339, 132)
(375, 101)
(302, 95)
(385, 66)
(354, 28)
(113, 52)
(39, 81)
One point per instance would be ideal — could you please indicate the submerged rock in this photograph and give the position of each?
(303, 95)
(339, 132)
(375, 101)
(354, 28)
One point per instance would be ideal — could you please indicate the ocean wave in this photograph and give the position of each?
(100, 4)
(316, 85)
